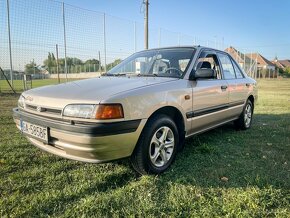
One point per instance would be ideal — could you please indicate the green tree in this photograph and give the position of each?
(92, 65)
(92, 61)
(50, 61)
(113, 64)
(31, 68)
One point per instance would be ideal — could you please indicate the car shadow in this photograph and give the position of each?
(227, 157)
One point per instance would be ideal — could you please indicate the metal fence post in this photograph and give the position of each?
(57, 68)
(64, 39)
(100, 64)
(105, 46)
(244, 60)
(9, 41)
(135, 37)
(159, 38)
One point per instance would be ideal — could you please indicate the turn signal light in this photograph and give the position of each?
(109, 111)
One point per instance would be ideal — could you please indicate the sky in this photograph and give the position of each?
(37, 27)
(252, 25)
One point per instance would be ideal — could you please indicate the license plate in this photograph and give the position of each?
(33, 130)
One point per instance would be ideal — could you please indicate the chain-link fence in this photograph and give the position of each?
(53, 41)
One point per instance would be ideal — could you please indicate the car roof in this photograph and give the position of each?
(186, 47)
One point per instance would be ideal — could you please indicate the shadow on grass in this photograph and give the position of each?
(226, 157)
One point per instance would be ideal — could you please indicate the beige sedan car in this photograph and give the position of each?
(144, 108)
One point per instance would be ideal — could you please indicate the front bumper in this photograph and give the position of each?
(87, 142)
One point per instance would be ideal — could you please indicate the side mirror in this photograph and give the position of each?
(203, 74)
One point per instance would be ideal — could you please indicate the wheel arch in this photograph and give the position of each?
(176, 116)
(252, 99)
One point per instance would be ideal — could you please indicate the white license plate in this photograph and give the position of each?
(33, 130)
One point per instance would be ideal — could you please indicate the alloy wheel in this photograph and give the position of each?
(161, 146)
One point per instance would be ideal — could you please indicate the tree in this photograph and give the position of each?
(92, 65)
(50, 61)
(92, 61)
(31, 68)
(113, 64)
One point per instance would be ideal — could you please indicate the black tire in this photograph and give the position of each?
(141, 158)
(243, 122)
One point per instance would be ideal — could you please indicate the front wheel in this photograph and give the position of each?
(157, 146)
(245, 119)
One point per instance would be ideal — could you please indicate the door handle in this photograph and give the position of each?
(248, 84)
(224, 87)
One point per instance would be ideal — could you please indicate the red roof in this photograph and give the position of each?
(261, 60)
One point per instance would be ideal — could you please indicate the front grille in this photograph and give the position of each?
(31, 107)
(47, 110)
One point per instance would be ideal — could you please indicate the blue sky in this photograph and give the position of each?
(252, 25)
(37, 26)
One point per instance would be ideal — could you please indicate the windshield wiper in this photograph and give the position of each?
(114, 74)
(148, 74)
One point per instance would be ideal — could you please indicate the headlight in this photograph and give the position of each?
(81, 111)
(89, 111)
(21, 102)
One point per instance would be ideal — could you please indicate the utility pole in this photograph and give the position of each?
(146, 2)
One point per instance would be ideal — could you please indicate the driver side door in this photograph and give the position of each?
(210, 96)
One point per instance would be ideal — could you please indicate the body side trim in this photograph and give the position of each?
(209, 110)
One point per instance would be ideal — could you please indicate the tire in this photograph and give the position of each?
(245, 120)
(157, 146)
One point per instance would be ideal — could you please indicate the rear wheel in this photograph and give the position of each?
(157, 146)
(245, 119)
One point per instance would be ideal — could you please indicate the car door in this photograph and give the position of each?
(210, 96)
(243, 87)
(235, 86)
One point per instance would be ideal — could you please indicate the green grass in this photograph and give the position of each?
(18, 84)
(256, 163)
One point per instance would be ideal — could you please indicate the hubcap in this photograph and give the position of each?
(161, 146)
(248, 115)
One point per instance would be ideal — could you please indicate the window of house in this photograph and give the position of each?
(228, 69)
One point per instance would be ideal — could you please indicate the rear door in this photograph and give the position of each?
(242, 85)
(210, 96)
(235, 86)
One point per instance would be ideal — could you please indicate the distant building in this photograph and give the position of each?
(282, 64)
(262, 62)
(245, 62)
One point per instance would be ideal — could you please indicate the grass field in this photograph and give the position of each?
(255, 164)
(18, 84)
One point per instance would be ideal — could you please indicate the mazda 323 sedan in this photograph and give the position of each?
(144, 108)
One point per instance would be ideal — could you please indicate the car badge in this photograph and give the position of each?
(29, 98)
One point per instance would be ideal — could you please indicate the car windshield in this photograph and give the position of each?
(171, 62)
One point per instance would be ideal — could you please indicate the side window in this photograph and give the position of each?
(209, 60)
(239, 73)
(228, 69)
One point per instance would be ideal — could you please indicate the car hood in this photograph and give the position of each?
(88, 91)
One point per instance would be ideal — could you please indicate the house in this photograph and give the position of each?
(243, 60)
(282, 64)
(262, 62)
